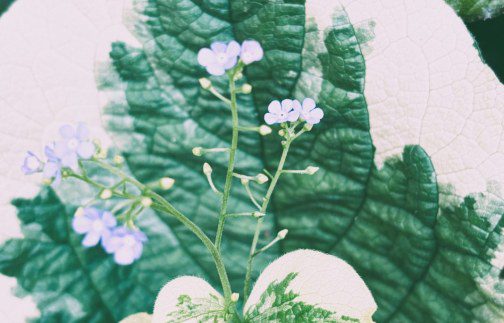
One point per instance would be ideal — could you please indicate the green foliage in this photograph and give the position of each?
(471, 10)
(4, 6)
(423, 259)
(278, 304)
(200, 309)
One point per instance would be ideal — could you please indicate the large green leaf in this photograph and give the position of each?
(4, 6)
(423, 260)
(471, 10)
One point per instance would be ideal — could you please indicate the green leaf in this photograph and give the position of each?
(4, 6)
(471, 10)
(75, 284)
(278, 304)
(424, 258)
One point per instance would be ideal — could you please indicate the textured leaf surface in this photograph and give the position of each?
(471, 10)
(423, 259)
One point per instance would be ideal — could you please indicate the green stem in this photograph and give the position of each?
(260, 221)
(230, 169)
(164, 206)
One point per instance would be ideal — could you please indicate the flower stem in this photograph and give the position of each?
(264, 206)
(230, 169)
(164, 206)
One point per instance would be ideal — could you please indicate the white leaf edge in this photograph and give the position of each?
(322, 280)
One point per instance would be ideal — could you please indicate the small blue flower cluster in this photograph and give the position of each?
(221, 57)
(293, 110)
(66, 152)
(101, 226)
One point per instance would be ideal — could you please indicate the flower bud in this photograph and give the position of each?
(79, 211)
(118, 160)
(146, 201)
(310, 170)
(106, 194)
(281, 132)
(282, 234)
(197, 151)
(264, 130)
(238, 76)
(244, 181)
(205, 83)
(235, 297)
(207, 169)
(246, 88)
(261, 178)
(166, 183)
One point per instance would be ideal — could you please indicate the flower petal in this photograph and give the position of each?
(124, 256)
(218, 47)
(287, 105)
(231, 62)
(70, 160)
(82, 131)
(109, 219)
(91, 239)
(50, 169)
(308, 104)
(317, 113)
(57, 178)
(215, 69)
(110, 243)
(86, 150)
(270, 118)
(293, 116)
(81, 224)
(233, 49)
(61, 149)
(275, 107)
(251, 51)
(206, 57)
(67, 131)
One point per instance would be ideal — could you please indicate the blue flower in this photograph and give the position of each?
(75, 144)
(309, 111)
(52, 168)
(281, 112)
(31, 164)
(251, 51)
(219, 57)
(95, 224)
(125, 244)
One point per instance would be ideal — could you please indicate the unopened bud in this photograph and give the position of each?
(47, 181)
(238, 76)
(282, 234)
(197, 151)
(106, 194)
(118, 159)
(146, 201)
(166, 183)
(308, 127)
(207, 169)
(264, 130)
(79, 211)
(235, 297)
(261, 178)
(310, 170)
(205, 83)
(257, 215)
(281, 132)
(246, 88)
(244, 181)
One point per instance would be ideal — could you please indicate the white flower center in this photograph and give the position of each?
(98, 225)
(32, 162)
(129, 241)
(222, 58)
(72, 144)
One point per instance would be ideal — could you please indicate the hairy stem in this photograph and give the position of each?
(264, 206)
(230, 169)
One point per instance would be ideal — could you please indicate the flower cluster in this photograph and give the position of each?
(221, 56)
(292, 111)
(66, 152)
(100, 226)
